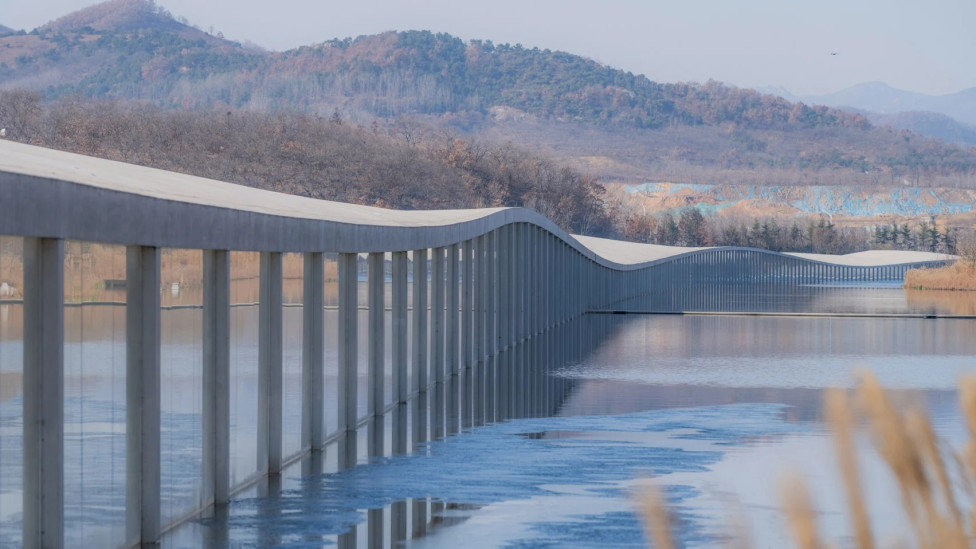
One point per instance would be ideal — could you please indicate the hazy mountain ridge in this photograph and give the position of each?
(127, 49)
(883, 99)
(390, 74)
(114, 16)
(561, 103)
(949, 117)
(931, 124)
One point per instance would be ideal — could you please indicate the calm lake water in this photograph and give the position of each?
(715, 408)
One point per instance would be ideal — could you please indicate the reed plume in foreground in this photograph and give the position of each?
(908, 446)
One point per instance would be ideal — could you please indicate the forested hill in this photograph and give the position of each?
(611, 122)
(133, 49)
(419, 71)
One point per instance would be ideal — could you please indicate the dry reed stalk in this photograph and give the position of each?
(945, 531)
(656, 517)
(799, 513)
(840, 418)
(908, 445)
(967, 403)
(896, 449)
(920, 429)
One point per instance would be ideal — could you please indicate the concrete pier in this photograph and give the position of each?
(483, 305)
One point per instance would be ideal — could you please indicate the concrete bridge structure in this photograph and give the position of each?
(473, 295)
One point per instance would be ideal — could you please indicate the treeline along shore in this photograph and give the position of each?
(407, 165)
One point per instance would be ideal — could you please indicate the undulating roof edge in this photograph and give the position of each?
(49, 193)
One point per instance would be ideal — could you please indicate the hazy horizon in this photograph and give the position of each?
(924, 48)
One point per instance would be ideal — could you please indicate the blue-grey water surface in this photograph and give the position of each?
(716, 409)
(713, 408)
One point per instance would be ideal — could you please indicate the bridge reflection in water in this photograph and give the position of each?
(441, 321)
(313, 500)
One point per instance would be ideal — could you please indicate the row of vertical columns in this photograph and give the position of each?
(493, 297)
(44, 391)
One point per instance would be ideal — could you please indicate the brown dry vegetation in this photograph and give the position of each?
(961, 275)
(936, 491)
(408, 167)
(90, 267)
(946, 301)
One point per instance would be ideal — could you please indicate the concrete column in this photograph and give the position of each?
(468, 266)
(270, 365)
(43, 393)
(533, 363)
(398, 523)
(452, 356)
(515, 311)
(551, 281)
(530, 366)
(401, 387)
(420, 382)
(376, 353)
(511, 364)
(143, 398)
(216, 376)
(490, 374)
(437, 333)
(348, 343)
(313, 351)
(524, 308)
(374, 528)
(504, 338)
(480, 312)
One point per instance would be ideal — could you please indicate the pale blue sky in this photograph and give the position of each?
(923, 46)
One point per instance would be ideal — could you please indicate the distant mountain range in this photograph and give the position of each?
(133, 49)
(883, 99)
(623, 126)
(931, 124)
(950, 117)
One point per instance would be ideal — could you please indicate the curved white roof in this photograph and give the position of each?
(877, 257)
(51, 193)
(629, 253)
